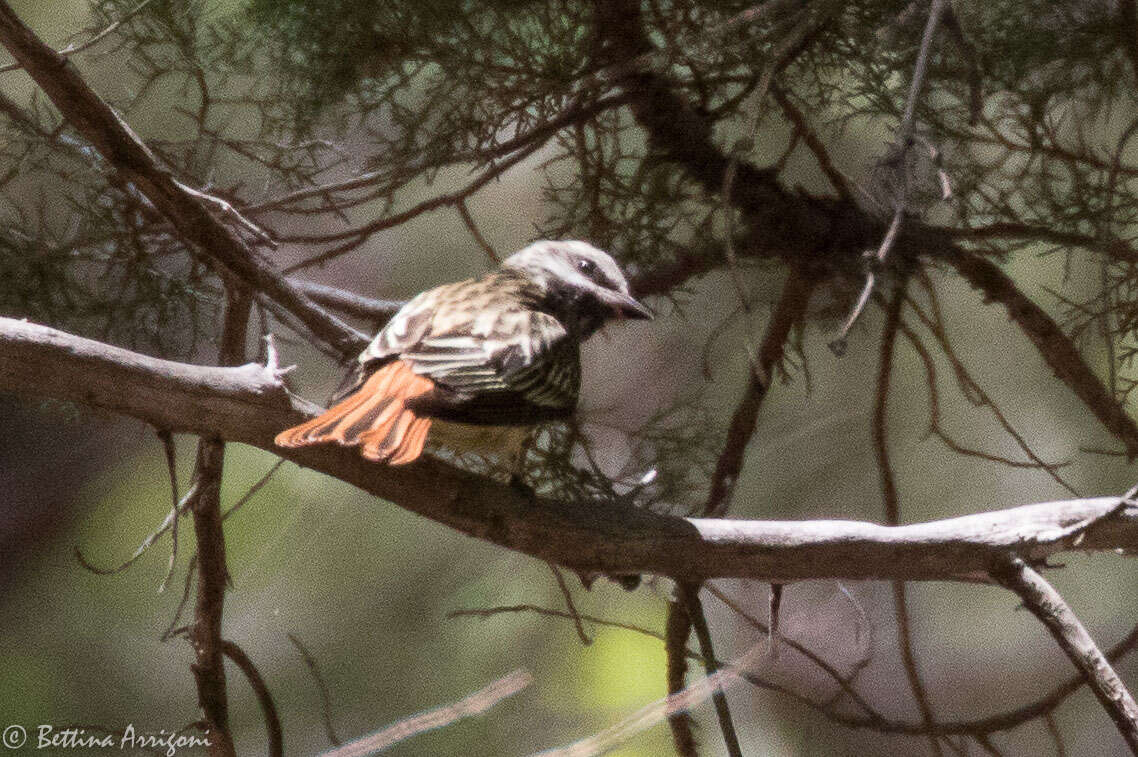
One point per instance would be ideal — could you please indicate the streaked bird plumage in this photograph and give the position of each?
(498, 353)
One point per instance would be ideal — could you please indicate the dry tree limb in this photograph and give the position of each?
(1048, 606)
(475, 704)
(249, 404)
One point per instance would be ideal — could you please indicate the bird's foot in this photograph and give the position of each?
(518, 484)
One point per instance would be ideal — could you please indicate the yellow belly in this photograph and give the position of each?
(506, 443)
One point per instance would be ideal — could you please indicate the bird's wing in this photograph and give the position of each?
(520, 352)
(484, 346)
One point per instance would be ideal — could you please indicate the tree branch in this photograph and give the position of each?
(892, 501)
(819, 230)
(378, 312)
(213, 573)
(249, 404)
(261, 690)
(789, 311)
(677, 628)
(689, 596)
(1054, 346)
(189, 213)
(205, 633)
(1046, 604)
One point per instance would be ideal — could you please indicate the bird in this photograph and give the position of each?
(475, 365)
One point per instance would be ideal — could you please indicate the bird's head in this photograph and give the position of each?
(583, 285)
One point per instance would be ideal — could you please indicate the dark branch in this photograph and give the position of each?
(689, 595)
(264, 698)
(677, 628)
(1054, 346)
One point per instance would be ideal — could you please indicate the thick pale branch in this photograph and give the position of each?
(249, 404)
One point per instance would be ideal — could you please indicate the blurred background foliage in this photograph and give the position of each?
(1028, 105)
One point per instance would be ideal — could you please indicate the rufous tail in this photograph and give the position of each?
(374, 417)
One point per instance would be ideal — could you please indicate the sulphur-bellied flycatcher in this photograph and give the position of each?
(465, 362)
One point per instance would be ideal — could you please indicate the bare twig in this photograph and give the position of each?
(844, 682)
(378, 312)
(475, 704)
(677, 628)
(873, 264)
(95, 39)
(489, 612)
(813, 142)
(790, 309)
(322, 687)
(261, 690)
(912, 668)
(1048, 606)
(689, 595)
(1056, 736)
(889, 494)
(174, 629)
(175, 512)
(649, 715)
(569, 605)
(149, 541)
(774, 612)
(892, 503)
(475, 232)
(228, 211)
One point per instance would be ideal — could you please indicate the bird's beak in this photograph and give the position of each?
(626, 306)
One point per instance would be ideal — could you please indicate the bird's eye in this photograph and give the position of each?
(586, 266)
